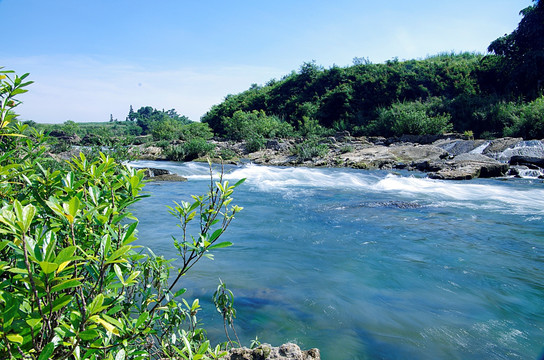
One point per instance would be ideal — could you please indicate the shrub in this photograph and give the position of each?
(166, 129)
(411, 118)
(310, 149)
(255, 143)
(527, 120)
(248, 125)
(73, 285)
(195, 130)
(189, 150)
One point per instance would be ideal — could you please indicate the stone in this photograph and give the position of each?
(528, 161)
(287, 351)
(468, 166)
(155, 174)
(458, 146)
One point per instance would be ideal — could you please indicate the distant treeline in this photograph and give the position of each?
(499, 94)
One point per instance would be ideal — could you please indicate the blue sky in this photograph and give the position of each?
(90, 59)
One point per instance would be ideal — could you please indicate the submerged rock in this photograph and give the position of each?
(287, 351)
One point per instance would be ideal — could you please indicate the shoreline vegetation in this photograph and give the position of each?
(72, 284)
(365, 115)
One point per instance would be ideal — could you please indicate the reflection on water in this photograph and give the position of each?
(371, 265)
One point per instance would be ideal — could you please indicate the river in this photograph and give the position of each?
(369, 264)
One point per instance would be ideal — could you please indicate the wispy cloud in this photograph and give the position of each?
(90, 89)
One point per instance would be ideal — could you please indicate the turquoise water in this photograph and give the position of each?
(370, 265)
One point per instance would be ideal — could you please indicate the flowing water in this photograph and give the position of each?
(369, 264)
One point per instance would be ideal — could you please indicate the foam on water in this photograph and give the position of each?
(533, 148)
(480, 149)
(294, 181)
(469, 194)
(277, 178)
(502, 197)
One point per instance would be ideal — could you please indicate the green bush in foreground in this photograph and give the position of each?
(72, 284)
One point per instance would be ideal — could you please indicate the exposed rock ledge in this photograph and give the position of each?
(287, 351)
(448, 157)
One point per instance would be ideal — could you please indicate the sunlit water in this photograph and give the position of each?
(370, 265)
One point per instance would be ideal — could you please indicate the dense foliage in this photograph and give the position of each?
(72, 284)
(446, 92)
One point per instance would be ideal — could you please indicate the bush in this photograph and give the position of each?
(527, 120)
(310, 149)
(248, 125)
(255, 143)
(166, 129)
(73, 285)
(195, 130)
(189, 150)
(411, 118)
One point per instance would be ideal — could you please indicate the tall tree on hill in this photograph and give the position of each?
(522, 53)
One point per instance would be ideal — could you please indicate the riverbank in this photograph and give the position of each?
(448, 157)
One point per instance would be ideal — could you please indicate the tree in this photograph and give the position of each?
(522, 53)
(131, 115)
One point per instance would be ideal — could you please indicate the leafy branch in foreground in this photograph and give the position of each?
(72, 284)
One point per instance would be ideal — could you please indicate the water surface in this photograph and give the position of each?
(369, 264)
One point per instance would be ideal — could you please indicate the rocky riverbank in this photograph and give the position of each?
(448, 157)
(287, 351)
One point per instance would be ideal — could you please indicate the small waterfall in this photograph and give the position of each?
(532, 148)
(480, 149)
(527, 173)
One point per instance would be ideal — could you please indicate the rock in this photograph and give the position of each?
(287, 351)
(420, 139)
(155, 174)
(497, 146)
(152, 172)
(458, 146)
(277, 145)
(528, 161)
(147, 152)
(342, 136)
(169, 177)
(468, 166)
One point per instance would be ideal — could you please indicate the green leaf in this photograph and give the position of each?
(109, 327)
(220, 245)
(33, 323)
(47, 351)
(118, 253)
(180, 292)
(61, 302)
(89, 334)
(239, 182)
(48, 267)
(73, 206)
(15, 338)
(28, 215)
(65, 285)
(216, 234)
(141, 319)
(96, 304)
(119, 274)
(128, 237)
(66, 254)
